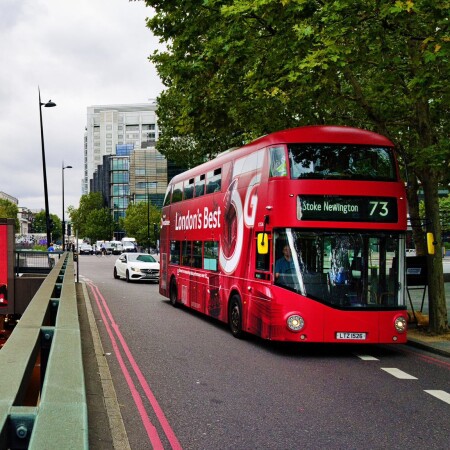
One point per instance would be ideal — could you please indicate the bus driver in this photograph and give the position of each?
(284, 265)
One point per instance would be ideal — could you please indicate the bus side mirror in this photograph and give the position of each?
(430, 243)
(263, 244)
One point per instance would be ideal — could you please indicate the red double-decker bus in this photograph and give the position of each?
(297, 236)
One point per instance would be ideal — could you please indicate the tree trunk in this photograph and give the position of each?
(436, 292)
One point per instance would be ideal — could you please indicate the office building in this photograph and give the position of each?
(120, 159)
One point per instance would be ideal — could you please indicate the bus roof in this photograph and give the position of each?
(320, 134)
(324, 134)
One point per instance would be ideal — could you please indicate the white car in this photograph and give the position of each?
(136, 266)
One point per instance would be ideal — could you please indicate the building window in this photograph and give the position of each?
(120, 177)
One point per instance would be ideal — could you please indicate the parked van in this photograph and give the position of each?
(117, 247)
(129, 244)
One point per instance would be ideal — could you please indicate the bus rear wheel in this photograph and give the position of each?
(235, 316)
(173, 296)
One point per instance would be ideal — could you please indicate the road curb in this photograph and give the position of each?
(429, 348)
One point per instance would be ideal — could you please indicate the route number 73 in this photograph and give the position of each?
(379, 208)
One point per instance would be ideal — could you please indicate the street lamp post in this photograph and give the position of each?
(49, 104)
(63, 222)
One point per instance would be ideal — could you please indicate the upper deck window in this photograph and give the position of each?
(278, 162)
(213, 181)
(168, 195)
(177, 194)
(341, 162)
(189, 189)
(199, 185)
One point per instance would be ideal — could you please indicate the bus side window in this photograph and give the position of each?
(177, 194)
(189, 189)
(210, 256)
(199, 185)
(277, 162)
(175, 252)
(196, 260)
(213, 181)
(186, 253)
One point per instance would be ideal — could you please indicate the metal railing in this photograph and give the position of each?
(42, 388)
(30, 261)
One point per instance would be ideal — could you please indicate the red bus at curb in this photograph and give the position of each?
(298, 236)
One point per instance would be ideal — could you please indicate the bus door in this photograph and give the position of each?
(211, 266)
(193, 286)
(259, 297)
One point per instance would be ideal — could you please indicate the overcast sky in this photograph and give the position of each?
(79, 53)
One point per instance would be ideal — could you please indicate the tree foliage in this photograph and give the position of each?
(238, 69)
(40, 225)
(141, 221)
(92, 219)
(9, 210)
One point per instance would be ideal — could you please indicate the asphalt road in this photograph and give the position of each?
(183, 381)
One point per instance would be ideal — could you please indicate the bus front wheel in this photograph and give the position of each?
(235, 316)
(173, 293)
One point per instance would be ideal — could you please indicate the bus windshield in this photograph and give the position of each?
(341, 161)
(348, 270)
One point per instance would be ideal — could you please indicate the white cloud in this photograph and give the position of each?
(83, 53)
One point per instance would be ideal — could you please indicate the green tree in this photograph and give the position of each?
(238, 69)
(79, 216)
(99, 225)
(9, 210)
(40, 225)
(139, 222)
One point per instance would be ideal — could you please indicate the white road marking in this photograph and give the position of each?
(397, 373)
(367, 358)
(441, 395)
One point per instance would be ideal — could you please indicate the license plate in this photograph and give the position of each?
(351, 336)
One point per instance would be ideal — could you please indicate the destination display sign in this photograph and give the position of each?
(347, 209)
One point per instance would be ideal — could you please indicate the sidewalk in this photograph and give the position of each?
(417, 334)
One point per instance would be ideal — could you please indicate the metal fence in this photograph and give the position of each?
(29, 261)
(42, 389)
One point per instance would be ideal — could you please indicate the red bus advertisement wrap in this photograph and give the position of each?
(297, 236)
(3, 268)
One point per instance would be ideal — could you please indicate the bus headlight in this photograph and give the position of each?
(400, 324)
(295, 322)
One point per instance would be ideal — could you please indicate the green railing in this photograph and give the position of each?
(42, 389)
